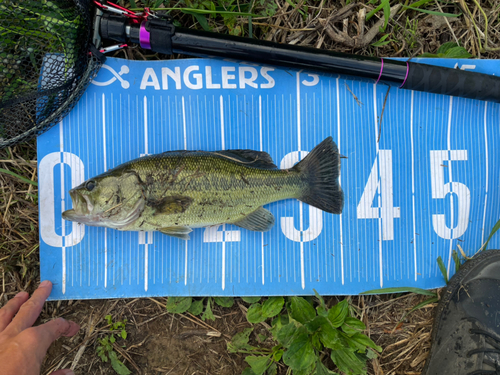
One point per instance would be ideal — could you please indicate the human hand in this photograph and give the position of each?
(23, 347)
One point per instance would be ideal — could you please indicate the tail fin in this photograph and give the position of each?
(321, 168)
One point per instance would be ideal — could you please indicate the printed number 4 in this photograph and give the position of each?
(440, 190)
(380, 180)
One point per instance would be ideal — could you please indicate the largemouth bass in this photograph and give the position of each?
(177, 191)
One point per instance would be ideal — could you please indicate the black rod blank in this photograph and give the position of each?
(159, 35)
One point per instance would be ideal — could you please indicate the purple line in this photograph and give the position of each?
(381, 70)
(144, 37)
(407, 70)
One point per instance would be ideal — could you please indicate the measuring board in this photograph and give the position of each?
(421, 177)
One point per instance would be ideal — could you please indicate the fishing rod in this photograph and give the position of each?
(51, 50)
(158, 33)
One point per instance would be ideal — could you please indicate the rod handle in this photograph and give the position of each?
(453, 82)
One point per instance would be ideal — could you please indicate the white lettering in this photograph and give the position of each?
(166, 72)
(150, 73)
(210, 85)
(248, 81)
(270, 80)
(226, 77)
(197, 77)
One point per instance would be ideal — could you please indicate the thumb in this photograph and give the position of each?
(63, 372)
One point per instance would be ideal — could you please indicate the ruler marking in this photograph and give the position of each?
(450, 177)
(486, 168)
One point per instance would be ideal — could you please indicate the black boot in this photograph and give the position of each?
(466, 331)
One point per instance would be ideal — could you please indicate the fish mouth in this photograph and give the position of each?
(82, 209)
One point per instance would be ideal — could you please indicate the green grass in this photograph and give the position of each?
(27, 33)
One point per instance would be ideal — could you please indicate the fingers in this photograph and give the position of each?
(30, 310)
(11, 308)
(62, 372)
(44, 335)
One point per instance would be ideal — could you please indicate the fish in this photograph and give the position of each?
(175, 192)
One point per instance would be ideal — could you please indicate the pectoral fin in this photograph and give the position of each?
(179, 232)
(261, 220)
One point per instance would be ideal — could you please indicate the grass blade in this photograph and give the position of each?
(424, 303)
(401, 290)
(201, 11)
(23, 179)
(370, 14)
(496, 227)
(434, 13)
(202, 19)
(387, 12)
(442, 267)
(456, 259)
(419, 3)
(420, 305)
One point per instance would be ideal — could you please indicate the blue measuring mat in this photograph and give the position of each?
(421, 178)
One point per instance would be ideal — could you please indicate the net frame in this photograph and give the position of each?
(42, 83)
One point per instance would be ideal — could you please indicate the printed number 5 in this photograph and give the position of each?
(440, 190)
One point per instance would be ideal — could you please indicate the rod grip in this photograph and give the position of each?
(454, 82)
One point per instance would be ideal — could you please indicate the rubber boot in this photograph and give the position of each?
(466, 331)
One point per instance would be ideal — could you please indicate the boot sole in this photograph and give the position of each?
(454, 284)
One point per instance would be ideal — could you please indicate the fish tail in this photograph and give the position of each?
(321, 169)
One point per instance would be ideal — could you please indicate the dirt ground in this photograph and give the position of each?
(159, 342)
(162, 343)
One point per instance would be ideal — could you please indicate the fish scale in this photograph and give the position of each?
(222, 190)
(176, 191)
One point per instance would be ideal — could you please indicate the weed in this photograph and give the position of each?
(449, 50)
(411, 34)
(179, 305)
(383, 41)
(204, 10)
(432, 12)
(403, 289)
(442, 268)
(303, 333)
(23, 179)
(386, 6)
(495, 229)
(105, 349)
(270, 7)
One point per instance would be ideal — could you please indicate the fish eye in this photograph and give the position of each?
(90, 185)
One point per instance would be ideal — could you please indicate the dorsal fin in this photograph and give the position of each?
(251, 158)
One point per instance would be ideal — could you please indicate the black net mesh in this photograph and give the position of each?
(45, 64)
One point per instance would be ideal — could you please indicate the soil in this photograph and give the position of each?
(159, 342)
